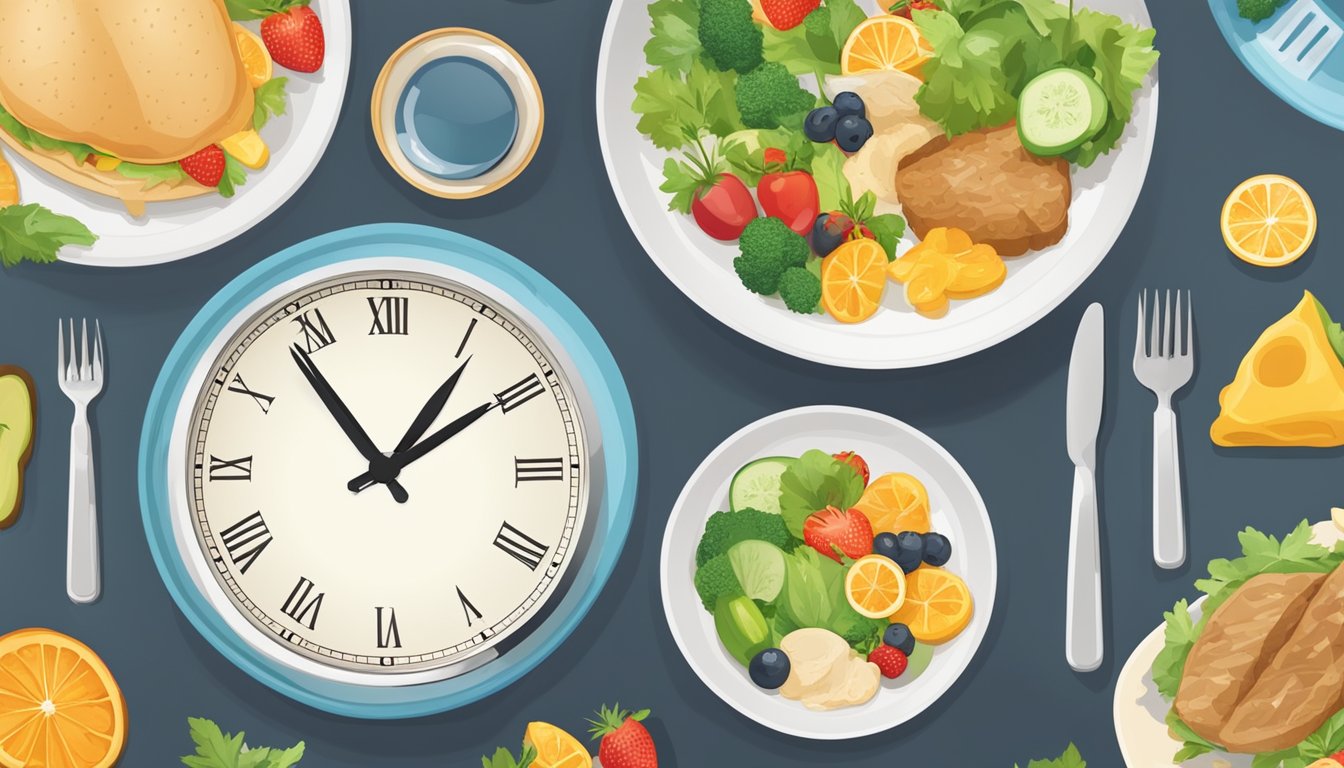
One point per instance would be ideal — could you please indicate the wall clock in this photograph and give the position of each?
(387, 471)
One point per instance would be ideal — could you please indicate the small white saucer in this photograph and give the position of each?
(493, 53)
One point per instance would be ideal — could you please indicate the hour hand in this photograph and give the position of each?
(339, 411)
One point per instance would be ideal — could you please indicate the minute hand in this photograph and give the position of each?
(400, 461)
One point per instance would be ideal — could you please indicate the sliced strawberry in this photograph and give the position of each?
(787, 14)
(831, 529)
(206, 166)
(295, 39)
(853, 459)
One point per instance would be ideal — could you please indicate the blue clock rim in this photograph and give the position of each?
(1321, 104)
(595, 365)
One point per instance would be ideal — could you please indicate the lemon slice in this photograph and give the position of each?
(875, 586)
(1268, 221)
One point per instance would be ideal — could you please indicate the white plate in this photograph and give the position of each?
(896, 337)
(1140, 712)
(889, 446)
(180, 228)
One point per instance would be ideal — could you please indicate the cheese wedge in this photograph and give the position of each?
(1289, 389)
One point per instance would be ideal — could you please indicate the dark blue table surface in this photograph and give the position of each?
(693, 382)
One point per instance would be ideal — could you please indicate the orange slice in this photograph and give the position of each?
(853, 279)
(1268, 221)
(896, 502)
(555, 747)
(885, 42)
(256, 60)
(875, 586)
(59, 705)
(9, 184)
(937, 605)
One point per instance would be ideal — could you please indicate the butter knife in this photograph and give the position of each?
(1083, 645)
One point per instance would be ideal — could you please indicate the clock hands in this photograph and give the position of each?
(378, 463)
(393, 464)
(431, 410)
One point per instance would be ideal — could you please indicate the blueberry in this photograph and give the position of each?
(820, 124)
(829, 231)
(898, 636)
(937, 549)
(849, 103)
(884, 544)
(909, 550)
(769, 668)
(852, 132)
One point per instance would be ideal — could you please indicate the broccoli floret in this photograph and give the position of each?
(769, 94)
(1258, 10)
(800, 290)
(729, 36)
(724, 529)
(715, 579)
(861, 631)
(769, 248)
(818, 22)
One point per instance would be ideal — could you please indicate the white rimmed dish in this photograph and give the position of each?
(485, 49)
(888, 445)
(896, 337)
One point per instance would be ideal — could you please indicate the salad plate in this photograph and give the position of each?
(1294, 53)
(1142, 711)
(954, 509)
(189, 219)
(1099, 194)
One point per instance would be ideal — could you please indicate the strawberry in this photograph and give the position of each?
(831, 529)
(625, 742)
(787, 14)
(294, 39)
(891, 661)
(206, 166)
(856, 461)
(907, 7)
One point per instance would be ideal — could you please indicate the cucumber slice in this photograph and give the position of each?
(1058, 110)
(759, 568)
(756, 486)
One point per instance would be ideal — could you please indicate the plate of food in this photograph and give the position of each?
(829, 572)
(1291, 46)
(168, 130)
(877, 187)
(1247, 675)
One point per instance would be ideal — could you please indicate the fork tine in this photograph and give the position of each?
(1189, 323)
(1138, 335)
(85, 364)
(97, 350)
(71, 367)
(1155, 317)
(1168, 340)
(60, 348)
(1178, 338)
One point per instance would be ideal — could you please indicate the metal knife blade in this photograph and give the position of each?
(1087, 386)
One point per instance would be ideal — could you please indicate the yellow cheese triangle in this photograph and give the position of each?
(1289, 389)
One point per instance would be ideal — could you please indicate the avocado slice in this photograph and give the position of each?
(18, 414)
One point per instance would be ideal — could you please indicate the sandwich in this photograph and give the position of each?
(140, 100)
(1262, 672)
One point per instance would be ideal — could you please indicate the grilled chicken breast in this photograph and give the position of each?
(987, 184)
(1237, 645)
(1302, 686)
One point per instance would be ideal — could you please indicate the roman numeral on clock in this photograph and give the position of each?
(520, 393)
(388, 634)
(520, 546)
(534, 470)
(391, 315)
(231, 469)
(245, 540)
(240, 386)
(301, 605)
(467, 607)
(316, 333)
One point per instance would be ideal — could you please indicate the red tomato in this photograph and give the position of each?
(790, 197)
(725, 209)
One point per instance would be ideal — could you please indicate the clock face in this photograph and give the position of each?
(344, 529)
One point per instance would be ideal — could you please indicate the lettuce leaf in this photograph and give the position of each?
(674, 38)
(1333, 331)
(812, 483)
(1180, 638)
(674, 108)
(33, 233)
(269, 101)
(1070, 759)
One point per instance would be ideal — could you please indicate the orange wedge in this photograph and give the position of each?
(555, 747)
(256, 60)
(875, 586)
(1268, 221)
(59, 705)
(896, 502)
(937, 605)
(9, 184)
(885, 42)
(853, 279)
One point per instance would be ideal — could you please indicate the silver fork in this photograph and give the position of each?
(1164, 367)
(1302, 38)
(81, 380)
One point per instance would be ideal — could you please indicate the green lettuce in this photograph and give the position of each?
(812, 483)
(1070, 759)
